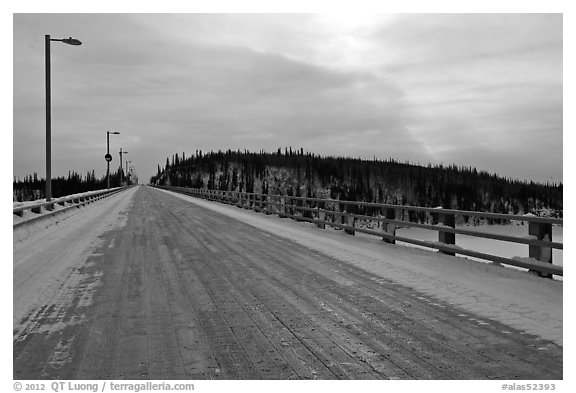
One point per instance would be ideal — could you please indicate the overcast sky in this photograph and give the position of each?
(481, 90)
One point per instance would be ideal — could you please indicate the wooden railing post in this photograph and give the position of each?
(266, 204)
(542, 232)
(321, 214)
(389, 228)
(447, 220)
(350, 221)
(282, 208)
(335, 207)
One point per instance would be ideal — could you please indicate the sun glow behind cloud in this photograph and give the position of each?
(345, 39)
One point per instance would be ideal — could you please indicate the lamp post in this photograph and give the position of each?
(127, 166)
(47, 40)
(108, 157)
(133, 177)
(121, 152)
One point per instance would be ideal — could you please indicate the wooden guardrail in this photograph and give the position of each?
(48, 209)
(346, 215)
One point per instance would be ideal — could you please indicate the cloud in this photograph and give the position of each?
(417, 87)
(190, 95)
(488, 80)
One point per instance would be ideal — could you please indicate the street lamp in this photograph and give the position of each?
(127, 161)
(47, 40)
(121, 152)
(108, 157)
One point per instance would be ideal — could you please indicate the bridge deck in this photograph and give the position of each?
(155, 287)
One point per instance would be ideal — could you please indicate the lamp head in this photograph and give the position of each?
(72, 41)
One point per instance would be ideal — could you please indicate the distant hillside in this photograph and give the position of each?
(305, 174)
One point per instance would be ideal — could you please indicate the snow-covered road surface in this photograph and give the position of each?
(153, 286)
(513, 297)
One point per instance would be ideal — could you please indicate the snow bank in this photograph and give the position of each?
(510, 296)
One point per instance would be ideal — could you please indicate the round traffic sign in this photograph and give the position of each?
(108, 157)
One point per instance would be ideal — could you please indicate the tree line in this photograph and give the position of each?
(298, 173)
(32, 188)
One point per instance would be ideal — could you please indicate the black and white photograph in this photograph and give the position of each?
(278, 196)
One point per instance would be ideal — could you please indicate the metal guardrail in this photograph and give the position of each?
(343, 215)
(48, 209)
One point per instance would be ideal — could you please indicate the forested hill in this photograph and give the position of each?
(305, 174)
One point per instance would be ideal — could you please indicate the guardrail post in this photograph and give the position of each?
(266, 200)
(334, 204)
(447, 220)
(543, 232)
(350, 221)
(321, 214)
(389, 228)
